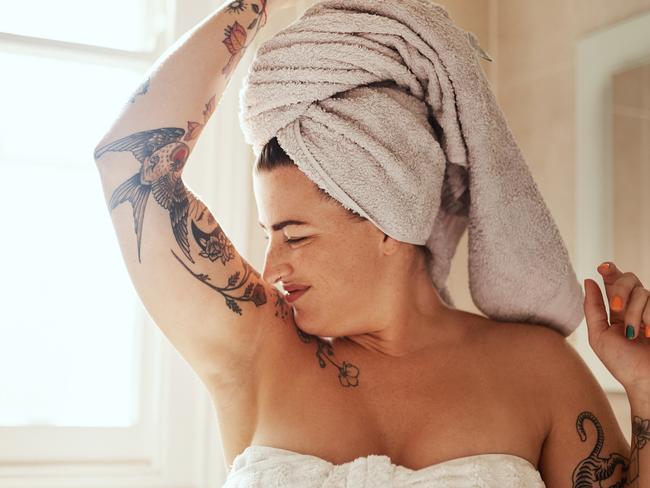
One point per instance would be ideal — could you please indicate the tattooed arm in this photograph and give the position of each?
(192, 74)
(585, 446)
(639, 471)
(210, 303)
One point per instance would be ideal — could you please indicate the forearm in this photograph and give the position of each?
(185, 84)
(638, 475)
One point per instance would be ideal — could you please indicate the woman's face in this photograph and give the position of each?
(339, 258)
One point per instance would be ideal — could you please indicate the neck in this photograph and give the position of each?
(412, 318)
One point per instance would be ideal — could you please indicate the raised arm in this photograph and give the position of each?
(183, 86)
(210, 303)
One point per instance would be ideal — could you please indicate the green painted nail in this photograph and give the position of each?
(629, 331)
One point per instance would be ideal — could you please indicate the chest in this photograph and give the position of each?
(338, 406)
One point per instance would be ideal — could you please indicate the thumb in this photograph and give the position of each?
(595, 311)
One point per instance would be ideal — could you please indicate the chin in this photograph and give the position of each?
(306, 326)
(314, 327)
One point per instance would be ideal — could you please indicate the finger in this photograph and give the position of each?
(634, 311)
(646, 319)
(618, 286)
(595, 311)
(609, 272)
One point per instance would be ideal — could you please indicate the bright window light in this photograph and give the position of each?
(68, 336)
(121, 24)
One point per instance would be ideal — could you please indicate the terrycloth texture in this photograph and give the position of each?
(384, 105)
(265, 466)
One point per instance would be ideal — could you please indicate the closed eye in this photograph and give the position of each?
(290, 241)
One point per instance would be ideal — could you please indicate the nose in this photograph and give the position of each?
(275, 265)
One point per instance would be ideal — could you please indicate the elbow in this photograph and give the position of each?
(102, 147)
(98, 150)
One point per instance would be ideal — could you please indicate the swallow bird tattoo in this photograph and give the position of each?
(162, 155)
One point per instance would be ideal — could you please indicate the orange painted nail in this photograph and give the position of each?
(647, 330)
(604, 266)
(617, 303)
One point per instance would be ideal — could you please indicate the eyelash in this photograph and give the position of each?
(290, 241)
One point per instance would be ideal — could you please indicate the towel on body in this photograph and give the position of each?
(384, 105)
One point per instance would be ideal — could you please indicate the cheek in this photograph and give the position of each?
(341, 275)
(340, 267)
(351, 270)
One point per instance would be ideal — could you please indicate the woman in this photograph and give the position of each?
(369, 377)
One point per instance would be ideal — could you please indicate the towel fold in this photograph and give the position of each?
(384, 105)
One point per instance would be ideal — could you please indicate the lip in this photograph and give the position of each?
(291, 287)
(293, 296)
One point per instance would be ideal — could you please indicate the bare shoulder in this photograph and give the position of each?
(544, 356)
(556, 360)
(539, 351)
(535, 358)
(532, 339)
(529, 338)
(532, 354)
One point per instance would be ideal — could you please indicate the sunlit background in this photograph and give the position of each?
(55, 108)
(53, 111)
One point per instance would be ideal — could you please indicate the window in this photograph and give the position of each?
(68, 271)
(119, 24)
(91, 393)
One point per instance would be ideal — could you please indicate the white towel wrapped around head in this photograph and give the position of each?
(384, 105)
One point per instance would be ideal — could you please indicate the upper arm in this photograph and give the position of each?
(204, 296)
(585, 445)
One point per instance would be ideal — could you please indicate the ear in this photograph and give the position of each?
(390, 245)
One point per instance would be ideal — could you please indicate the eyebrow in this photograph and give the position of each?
(283, 224)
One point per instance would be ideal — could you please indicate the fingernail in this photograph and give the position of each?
(647, 330)
(604, 266)
(617, 303)
(629, 331)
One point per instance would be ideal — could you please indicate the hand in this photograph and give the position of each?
(627, 359)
